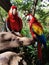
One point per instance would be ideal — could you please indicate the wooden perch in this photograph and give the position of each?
(8, 41)
(10, 58)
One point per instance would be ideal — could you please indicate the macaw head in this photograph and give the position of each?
(29, 17)
(13, 10)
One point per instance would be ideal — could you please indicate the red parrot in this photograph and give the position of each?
(14, 22)
(36, 30)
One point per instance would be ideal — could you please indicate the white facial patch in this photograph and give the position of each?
(29, 17)
(10, 10)
(14, 11)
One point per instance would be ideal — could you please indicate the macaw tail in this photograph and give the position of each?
(39, 52)
(42, 40)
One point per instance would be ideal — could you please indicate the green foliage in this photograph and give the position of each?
(47, 64)
(23, 4)
(3, 14)
(26, 32)
(46, 55)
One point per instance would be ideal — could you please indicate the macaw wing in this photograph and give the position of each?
(37, 29)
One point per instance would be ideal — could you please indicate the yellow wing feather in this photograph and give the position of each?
(37, 29)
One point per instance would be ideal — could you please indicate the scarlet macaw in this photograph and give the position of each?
(36, 30)
(14, 22)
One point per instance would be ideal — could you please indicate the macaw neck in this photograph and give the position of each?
(13, 16)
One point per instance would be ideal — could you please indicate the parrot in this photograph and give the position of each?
(36, 29)
(37, 33)
(14, 22)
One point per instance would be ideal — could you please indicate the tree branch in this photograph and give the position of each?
(34, 7)
(8, 41)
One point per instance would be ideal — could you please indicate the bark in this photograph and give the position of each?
(8, 41)
(34, 7)
(10, 58)
(5, 4)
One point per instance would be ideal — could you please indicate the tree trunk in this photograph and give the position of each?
(5, 4)
(34, 7)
